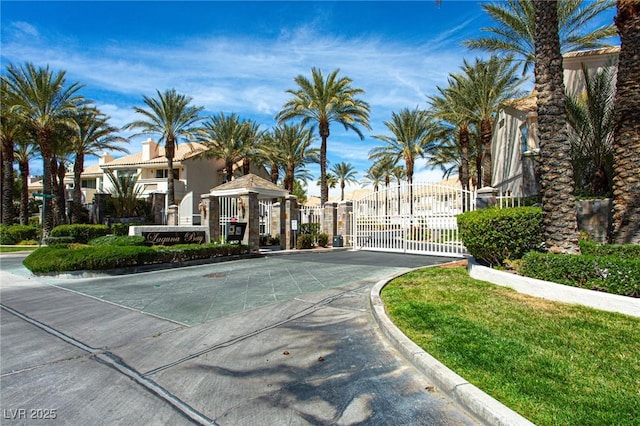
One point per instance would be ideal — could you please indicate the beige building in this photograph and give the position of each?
(515, 145)
(192, 174)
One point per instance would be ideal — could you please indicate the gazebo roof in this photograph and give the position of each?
(249, 183)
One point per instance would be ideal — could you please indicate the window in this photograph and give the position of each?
(524, 137)
(163, 173)
(88, 183)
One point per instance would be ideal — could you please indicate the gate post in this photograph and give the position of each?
(345, 208)
(329, 220)
(211, 213)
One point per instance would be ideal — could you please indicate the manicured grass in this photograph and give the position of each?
(554, 363)
(13, 249)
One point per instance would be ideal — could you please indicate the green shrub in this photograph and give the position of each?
(310, 228)
(58, 240)
(15, 233)
(625, 251)
(80, 233)
(305, 241)
(28, 243)
(323, 239)
(605, 273)
(120, 229)
(275, 240)
(75, 257)
(495, 235)
(114, 240)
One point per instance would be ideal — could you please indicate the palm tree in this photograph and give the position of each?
(592, 120)
(345, 173)
(11, 130)
(223, 135)
(251, 138)
(292, 147)
(487, 85)
(25, 151)
(269, 152)
(93, 136)
(373, 176)
(412, 136)
(125, 193)
(451, 106)
(325, 101)
(558, 199)
(626, 186)
(514, 32)
(332, 181)
(170, 116)
(45, 103)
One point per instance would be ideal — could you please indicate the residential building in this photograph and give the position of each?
(515, 146)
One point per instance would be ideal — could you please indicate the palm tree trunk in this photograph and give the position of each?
(170, 153)
(78, 167)
(626, 179)
(47, 205)
(7, 183)
(324, 189)
(274, 173)
(246, 165)
(24, 192)
(485, 137)
(229, 166)
(558, 200)
(463, 136)
(61, 199)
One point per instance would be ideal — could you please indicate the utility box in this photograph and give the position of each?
(338, 241)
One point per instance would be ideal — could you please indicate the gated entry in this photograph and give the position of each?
(418, 219)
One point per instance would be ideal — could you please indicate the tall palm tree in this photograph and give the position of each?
(60, 160)
(412, 134)
(451, 106)
(293, 148)
(487, 85)
(558, 199)
(626, 185)
(269, 152)
(373, 176)
(171, 116)
(93, 136)
(345, 173)
(25, 151)
(251, 139)
(45, 103)
(514, 32)
(324, 101)
(591, 119)
(11, 129)
(222, 135)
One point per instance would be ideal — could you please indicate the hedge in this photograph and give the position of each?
(624, 251)
(76, 257)
(14, 234)
(611, 274)
(115, 240)
(80, 233)
(495, 235)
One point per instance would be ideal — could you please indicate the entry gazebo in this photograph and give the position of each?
(248, 189)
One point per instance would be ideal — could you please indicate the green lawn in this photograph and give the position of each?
(556, 364)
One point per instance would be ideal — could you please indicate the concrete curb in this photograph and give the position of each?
(556, 292)
(476, 402)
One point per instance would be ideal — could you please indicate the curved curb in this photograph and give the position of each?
(476, 402)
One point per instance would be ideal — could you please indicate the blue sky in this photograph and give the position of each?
(242, 56)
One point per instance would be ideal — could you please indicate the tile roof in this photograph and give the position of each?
(183, 152)
(593, 52)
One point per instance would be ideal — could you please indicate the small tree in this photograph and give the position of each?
(125, 193)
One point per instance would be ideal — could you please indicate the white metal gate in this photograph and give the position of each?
(418, 219)
(229, 213)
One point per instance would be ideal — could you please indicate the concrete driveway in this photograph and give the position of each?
(284, 339)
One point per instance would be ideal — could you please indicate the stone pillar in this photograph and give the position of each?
(486, 197)
(211, 212)
(249, 213)
(172, 215)
(530, 173)
(157, 200)
(345, 209)
(329, 220)
(290, 213)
